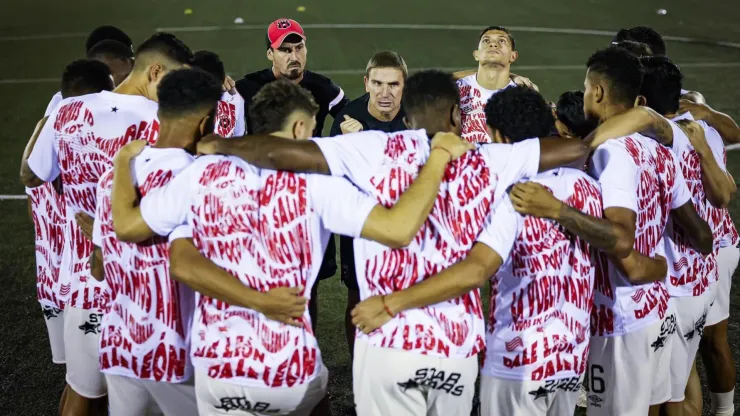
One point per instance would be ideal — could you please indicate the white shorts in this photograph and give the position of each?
(54, 319)
(395, 382)
(727, 259)
(216, 397)
(133, 397)
(691, 316)
(629, 373)
(81, 344)
(525, 397)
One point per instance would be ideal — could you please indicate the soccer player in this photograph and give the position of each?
(286, 49)
(117, 56)
(230, 117)
(542, 282)
(380, 109)
(495, 54)
(393, 367)
(78, 145)
(46, 205)
(632, 322)
(570, 120)
(280, 224)
(692, 274)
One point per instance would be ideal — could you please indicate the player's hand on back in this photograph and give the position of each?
(85, 222)
(698, 111)
(370, 314)
(350, 125)
(453, 144)
(520, 80)
(229, 85)
(130, 150)
(283, 304)
(531, 198)
(695, 133)
(208, 145)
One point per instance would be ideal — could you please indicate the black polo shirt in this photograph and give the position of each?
(357, 109)
(328, 95)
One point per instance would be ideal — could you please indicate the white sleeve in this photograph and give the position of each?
(619, 177)
(97, 234)
(714, 140)
(182, 231)
(165, 208)
(43, 160)
(241, 121)
(680, 192)
(514, 162)
(501, 229)
(352, 155)
(55, 99)
(345, 215)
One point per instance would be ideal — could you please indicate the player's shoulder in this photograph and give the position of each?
(311, 77)
(252, 82)
(323, 88)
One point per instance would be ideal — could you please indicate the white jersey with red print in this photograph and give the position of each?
(144, 332)
(729, 235)
(384, 165)
(541, 297)
(78, 143)
(473, 99)
(230, 118)
(47, 209)
(690, 273)
(638, 174)
(268, 229)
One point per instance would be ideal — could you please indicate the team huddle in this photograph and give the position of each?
(184, 221)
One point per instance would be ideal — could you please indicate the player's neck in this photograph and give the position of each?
(134, 85)
(614, 110)
(493, 77)
(174, 135)
(278, 75)
(381, 115)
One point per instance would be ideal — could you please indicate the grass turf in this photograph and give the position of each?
(30, 384)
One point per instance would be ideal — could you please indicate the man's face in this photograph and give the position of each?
(495, 48)
(592, 97)
(289, 60)
(385, 86)
(119, 68)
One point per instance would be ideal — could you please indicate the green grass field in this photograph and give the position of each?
(41, 36)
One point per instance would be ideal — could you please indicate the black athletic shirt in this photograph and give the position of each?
(328, 95)
(357, 109)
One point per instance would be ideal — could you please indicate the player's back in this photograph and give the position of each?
(384, 165)
(149, 314)
(637, 173)
(541, 297)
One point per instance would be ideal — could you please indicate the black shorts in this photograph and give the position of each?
(329, 264)
(347, 251)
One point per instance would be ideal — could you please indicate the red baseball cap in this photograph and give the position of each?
(281, 29)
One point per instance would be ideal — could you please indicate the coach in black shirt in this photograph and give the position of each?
(379, 109)
(286, 48)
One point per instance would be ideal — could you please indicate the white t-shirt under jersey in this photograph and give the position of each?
(541, 297)
(638, 174)
(145, 331)
(230, 119)
(384, 165)
(78, 143)
(268, 229)
(473, 99)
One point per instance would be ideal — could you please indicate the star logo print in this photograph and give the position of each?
(114, 109)
(51, 313)
(89, 328)
(658, 344)
(411, 384)
(539, 393)
(689, 335)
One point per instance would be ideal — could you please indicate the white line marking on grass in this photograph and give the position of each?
(389, 26)
(12, 197)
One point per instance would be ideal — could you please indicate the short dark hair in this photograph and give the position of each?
(107, 32)
(622, 70)
(643, 34)
(275, 102)
(501, 29)
(569, 111)
(661, 86)
(638, 49)
(211, 63)
(387, 59)
(85, 76)
(292, 38)
(429, 89)
(519, 113)
(187, 90)
(110, 49)
(168, 45)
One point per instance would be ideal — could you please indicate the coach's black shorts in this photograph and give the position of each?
(347, 251)
(329, 264)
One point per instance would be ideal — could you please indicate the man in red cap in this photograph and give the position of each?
(286, 48)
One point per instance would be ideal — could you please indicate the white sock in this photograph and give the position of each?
(722, 403)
